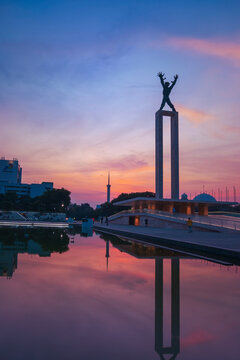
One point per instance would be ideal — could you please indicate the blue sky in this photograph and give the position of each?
(79, 91)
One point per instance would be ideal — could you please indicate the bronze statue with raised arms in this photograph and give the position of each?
(167, 88)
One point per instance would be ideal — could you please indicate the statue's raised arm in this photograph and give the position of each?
(161, 76)
(174, 81)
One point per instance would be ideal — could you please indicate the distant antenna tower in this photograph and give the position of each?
(226, 193)
(234, 194)
(108, 188)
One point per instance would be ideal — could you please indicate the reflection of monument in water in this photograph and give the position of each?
(174, 349)
(150, 252)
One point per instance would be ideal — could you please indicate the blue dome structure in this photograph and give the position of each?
(204, 197)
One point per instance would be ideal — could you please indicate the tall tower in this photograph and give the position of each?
(174, 154)
(108, 188)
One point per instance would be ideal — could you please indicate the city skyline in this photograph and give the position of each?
(80, 89)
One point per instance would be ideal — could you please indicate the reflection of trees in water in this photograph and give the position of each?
(40, 242)
(51, 240)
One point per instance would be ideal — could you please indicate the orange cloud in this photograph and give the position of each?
(221, 49)
(232, 129)
(194, 116)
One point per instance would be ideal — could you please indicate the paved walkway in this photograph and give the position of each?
(222, 243)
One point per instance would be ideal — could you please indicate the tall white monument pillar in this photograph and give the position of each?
(159, 154)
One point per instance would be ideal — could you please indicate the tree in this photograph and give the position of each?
(9, 201)
(80, 211)
(55, 200)
(125, 196)
(108, 209)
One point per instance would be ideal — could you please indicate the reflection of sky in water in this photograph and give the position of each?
(68, 306)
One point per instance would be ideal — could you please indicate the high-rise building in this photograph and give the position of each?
(10, 171)
(11, 180)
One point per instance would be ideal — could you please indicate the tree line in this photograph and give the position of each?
(55, 200)
(58, 200)
(50, 241)
(107, 209)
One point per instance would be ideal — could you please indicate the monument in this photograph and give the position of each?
(157, 211)
(167, 88)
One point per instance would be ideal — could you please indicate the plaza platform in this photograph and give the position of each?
(208, 243)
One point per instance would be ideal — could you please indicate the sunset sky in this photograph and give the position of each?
(79, 91)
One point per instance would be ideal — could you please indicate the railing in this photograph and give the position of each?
(233, 224)
(121, 213)
(17, 223)
(206, 220)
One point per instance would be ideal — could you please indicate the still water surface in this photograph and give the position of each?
(68, 296)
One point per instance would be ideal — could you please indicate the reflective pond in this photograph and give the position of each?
(89, 296)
